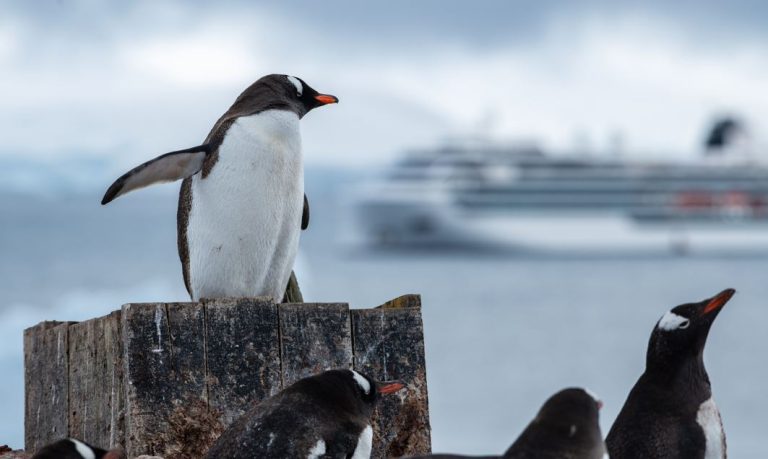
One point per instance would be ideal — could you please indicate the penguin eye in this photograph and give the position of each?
(684, 324)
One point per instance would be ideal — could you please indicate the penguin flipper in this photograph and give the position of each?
(305, 214)
(169, 167)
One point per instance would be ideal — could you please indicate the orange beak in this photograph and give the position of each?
(326, 99)
(390, 387)
(718, 301)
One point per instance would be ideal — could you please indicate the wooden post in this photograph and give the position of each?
(167, 378)
(389, 344)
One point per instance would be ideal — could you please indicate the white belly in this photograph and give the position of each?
(245, 217)
(364, 444)
(708, 417)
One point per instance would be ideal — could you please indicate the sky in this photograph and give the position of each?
(126, 81)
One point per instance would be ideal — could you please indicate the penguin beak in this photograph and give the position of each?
(116, 453)
(718, 301)
(326, 99)
(389, 387)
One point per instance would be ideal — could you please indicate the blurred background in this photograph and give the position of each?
(551, 176)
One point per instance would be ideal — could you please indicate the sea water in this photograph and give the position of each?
(503, 331)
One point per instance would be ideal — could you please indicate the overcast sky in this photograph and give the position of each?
(131, 80)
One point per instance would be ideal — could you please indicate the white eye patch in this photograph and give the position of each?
(297, 83)
(671, 321)
(362, 382)
(83, 449)
(591, 394)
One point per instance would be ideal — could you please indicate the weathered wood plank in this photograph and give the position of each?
(314, 338)
(164, 371)
(113, 337)
(243, 354)
(82, 359)
(95, 381)
(45, 379)
(388, 344)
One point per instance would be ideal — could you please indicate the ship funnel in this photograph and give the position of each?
(725, 133)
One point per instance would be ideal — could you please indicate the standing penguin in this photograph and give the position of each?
(670, 412)
(242, 203)
(326, 415)
(71, 448)
(566, 427)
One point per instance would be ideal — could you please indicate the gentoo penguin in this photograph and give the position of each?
(566, 427)
(326, 415)
(242, 203)
(670, 412)
(71, 448)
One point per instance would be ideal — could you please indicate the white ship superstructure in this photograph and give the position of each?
(522, 197)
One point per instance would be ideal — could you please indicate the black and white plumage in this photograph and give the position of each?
(71, 448)
(242, 204)
(322, 416)
(670, 412)
(566, 427)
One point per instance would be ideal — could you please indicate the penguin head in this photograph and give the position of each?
(568, 422)
(369, 390)
(306, 95)
(285, 92)
(682, 332)
(349, 390)
(576, 405)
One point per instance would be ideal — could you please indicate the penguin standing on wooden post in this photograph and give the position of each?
(242, 204)
(670, 412)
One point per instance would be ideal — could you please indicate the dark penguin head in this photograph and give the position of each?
(347, 390)
(681, 333)
(71, 448)
(567, 425)
(280, 92)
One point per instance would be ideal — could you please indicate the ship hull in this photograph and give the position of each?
(435, 223)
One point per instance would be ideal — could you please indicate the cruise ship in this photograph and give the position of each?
(518, 196)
